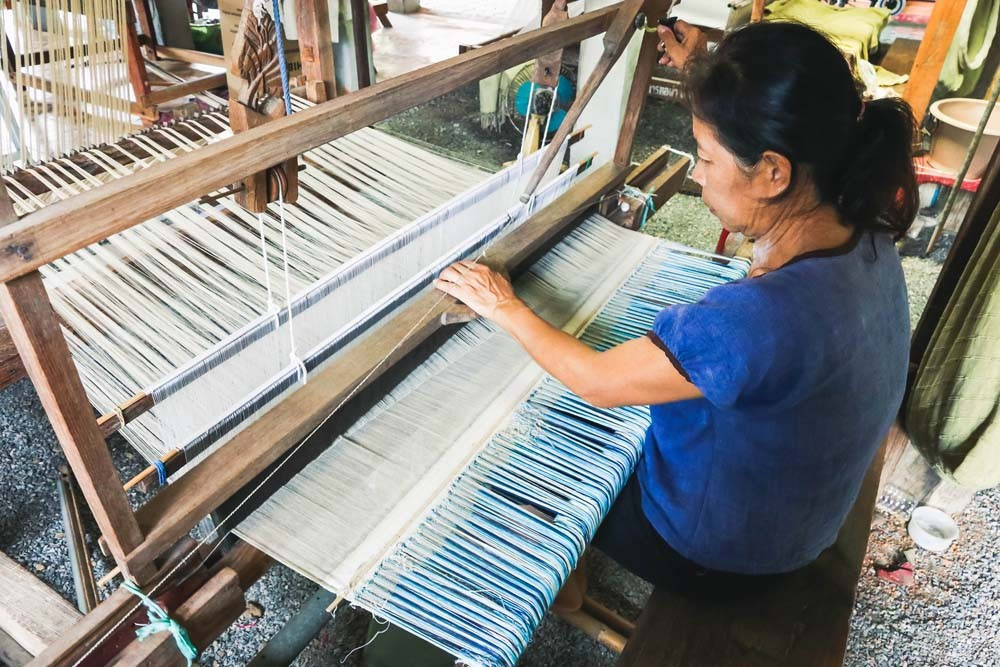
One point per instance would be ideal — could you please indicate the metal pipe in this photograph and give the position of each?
(76, 541)
(297, 633)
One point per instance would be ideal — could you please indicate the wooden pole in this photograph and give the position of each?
(757, 11)
(192, 87)
(316, 49)
(137, 74)
(359, 27)
(35, 331)
(639, 91)
(615, 40)
(930, 56)
(69, 225)
(142, 12)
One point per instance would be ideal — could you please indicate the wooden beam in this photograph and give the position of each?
(191, 87)
(178, 507)
(660, 188)
(639, 91)
(31, 613)
(615, 41)
(72, 224)
(190, 56)
(12, 654)
(312, 17)
(38, 337)
(80, 637)
(938, 36)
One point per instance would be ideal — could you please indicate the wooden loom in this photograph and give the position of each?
(146, 543)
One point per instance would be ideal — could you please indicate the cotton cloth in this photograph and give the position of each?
(803, 371)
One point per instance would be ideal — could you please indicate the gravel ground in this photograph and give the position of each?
(950, 617)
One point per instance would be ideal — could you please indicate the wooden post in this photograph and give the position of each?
(146, 25)
(639, 91)
(359, 26)
(930, 56)
(255, 98)
(615, 41)
(31, 613)
(137, 74)
(34, 328)
(316, 49)
(757, 11)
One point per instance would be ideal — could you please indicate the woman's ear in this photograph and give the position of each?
(773, 174)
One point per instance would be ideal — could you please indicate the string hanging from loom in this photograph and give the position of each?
(160, 621)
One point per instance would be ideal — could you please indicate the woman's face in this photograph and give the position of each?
(737, 196)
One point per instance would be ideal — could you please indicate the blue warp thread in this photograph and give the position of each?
(282, 64)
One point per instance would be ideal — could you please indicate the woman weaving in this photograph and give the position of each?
(770, 396)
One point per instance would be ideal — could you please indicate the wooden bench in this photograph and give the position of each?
(802, 622)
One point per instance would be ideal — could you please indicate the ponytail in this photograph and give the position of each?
(878, 188)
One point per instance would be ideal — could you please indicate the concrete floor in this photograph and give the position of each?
(435, 33)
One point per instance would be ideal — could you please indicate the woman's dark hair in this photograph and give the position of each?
(783, 87)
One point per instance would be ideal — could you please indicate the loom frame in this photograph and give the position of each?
(138, 540)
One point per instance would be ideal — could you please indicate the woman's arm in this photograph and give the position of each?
(634, 373)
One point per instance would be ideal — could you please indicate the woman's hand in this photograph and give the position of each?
(679, 43)
(479, 287)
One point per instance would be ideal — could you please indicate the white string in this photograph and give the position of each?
(293, 354)
(691, 159)
(271, 308)
(367, 643)
(548, 119)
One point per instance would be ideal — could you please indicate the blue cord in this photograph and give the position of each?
(281, 57)
(161, 472)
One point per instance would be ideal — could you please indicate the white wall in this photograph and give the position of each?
(606, 108)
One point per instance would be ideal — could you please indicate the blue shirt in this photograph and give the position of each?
(802, 371)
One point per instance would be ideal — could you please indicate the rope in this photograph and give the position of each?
(161, 472)
(293, 354)
(159, 621)
(282, 63)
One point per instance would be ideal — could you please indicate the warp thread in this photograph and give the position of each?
(160, 621)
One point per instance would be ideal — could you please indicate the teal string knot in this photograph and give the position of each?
(159, 621)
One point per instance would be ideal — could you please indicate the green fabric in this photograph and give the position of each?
(953, 413)
(855, 30)
(887, 78)
(967, 56)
